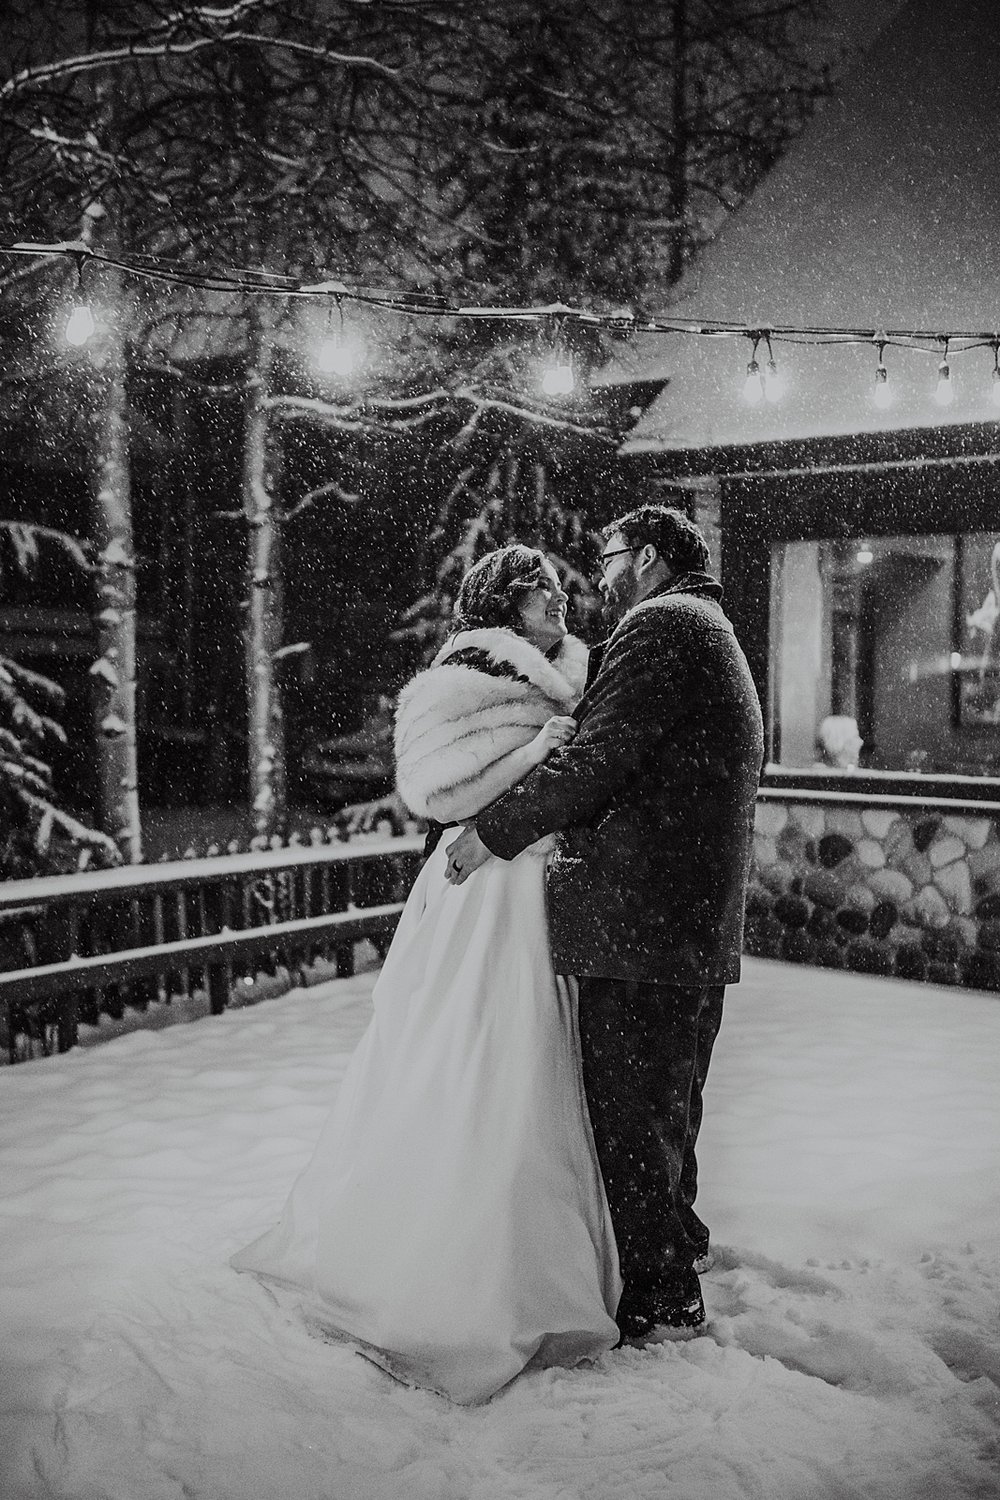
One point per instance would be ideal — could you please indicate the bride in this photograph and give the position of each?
(452, 1222)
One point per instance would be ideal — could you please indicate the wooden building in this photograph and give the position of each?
(860, 542)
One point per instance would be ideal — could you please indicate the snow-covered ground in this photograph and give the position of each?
(851, 1173)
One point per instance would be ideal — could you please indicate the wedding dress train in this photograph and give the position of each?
(452, 1221)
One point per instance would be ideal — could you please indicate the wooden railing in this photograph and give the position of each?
(73, 947)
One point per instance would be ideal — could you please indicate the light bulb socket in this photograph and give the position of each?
(882, 394)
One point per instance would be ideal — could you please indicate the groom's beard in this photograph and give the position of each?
(618, 600)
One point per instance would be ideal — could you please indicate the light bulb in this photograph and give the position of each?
(753, 386)
(864, 556)
(80, 325)
(945, 393)
(882, 394)
(995, 388)
(558, 378)
(774, 385)
(335, 357)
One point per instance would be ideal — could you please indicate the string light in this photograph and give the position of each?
(80, 325)
(945, 392)
(415, 303)
(335, 354)
(774, 386)
(339, 356)
(882, 394)
(558, 376)
(753, 385)
(334, 357)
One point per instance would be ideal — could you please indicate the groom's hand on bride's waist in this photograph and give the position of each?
(466, 854)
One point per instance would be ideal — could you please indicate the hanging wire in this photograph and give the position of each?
(263, 282)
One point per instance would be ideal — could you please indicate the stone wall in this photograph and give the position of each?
(912, 890)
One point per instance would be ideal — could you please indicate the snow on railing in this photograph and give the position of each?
(76, 947)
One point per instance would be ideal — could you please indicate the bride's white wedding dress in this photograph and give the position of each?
(452, 1221)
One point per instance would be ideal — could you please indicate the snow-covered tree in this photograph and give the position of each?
(242, 135)
(617, 137)
(509, 150)
(39, 836)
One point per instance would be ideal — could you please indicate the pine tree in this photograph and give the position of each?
(39, 837)
(616, 139)
(513, 471)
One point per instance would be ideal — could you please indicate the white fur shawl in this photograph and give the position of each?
(453, 722)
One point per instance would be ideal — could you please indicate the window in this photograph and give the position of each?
(885, 654)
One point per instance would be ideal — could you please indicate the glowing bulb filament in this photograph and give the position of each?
(753, 386)
(945, 393)
(80, 325)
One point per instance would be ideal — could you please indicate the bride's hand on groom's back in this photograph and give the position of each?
(554, 733)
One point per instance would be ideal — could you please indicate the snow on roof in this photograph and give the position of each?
(884, 214)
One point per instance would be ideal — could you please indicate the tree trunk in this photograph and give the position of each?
(113, 672)
(264, 622)
(678, 145)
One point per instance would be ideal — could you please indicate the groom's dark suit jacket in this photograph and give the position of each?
(653, 800)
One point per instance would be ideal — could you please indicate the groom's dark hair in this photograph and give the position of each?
(676, 538)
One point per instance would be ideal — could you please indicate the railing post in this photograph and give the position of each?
(219, 918)
(343, 956)
(62, 940)
(116, 928)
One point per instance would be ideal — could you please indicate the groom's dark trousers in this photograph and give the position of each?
(646, 1050)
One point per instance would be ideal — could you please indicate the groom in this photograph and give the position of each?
(654, 803)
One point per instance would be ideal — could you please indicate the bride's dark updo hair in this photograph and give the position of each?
(493, 588)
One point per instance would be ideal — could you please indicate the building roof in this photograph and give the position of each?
(885, 213)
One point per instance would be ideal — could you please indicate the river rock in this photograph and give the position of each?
(870, 853)
(945, 850)
(972, 831)
(770, 817)
(931, 907)
(878, 823)
(891, 885)
(955, 884)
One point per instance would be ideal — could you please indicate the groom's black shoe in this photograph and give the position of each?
(677, 1310)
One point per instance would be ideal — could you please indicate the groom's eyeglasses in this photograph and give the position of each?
(602, 562)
